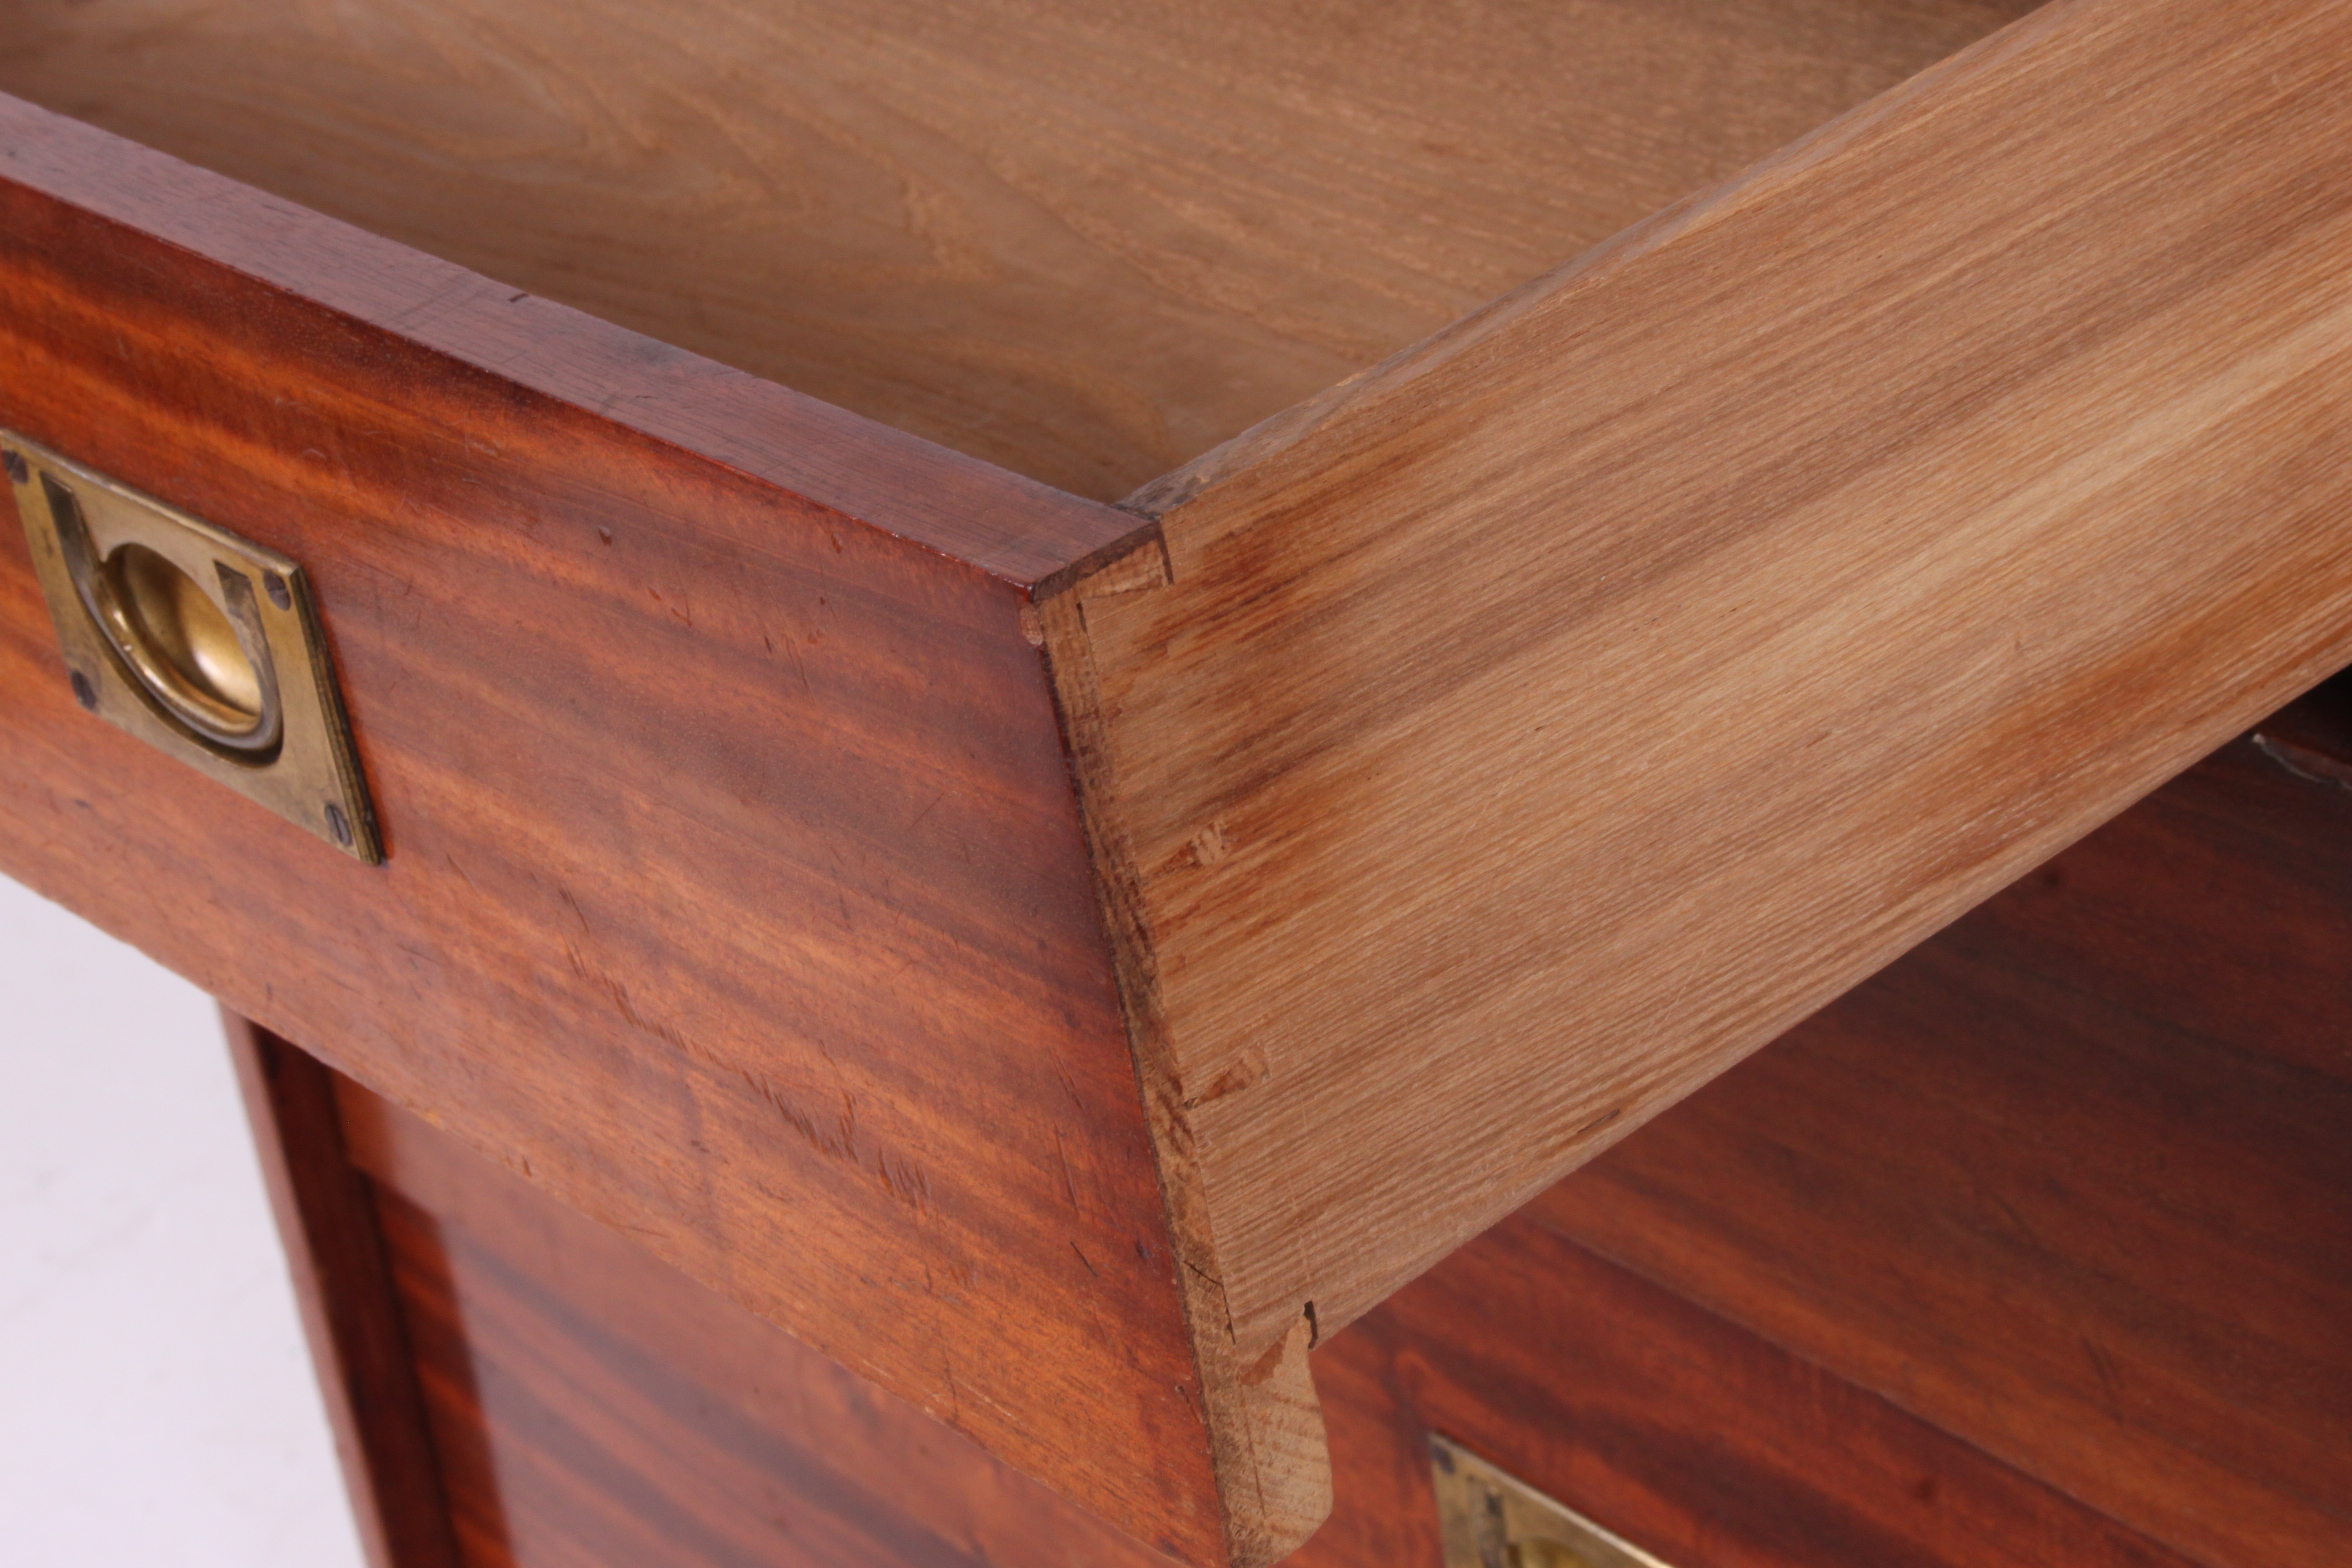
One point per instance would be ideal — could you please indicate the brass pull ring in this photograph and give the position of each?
(199, 657)
(205, 645)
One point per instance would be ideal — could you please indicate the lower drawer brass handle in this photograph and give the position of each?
(1493, 1520)
(206, 645)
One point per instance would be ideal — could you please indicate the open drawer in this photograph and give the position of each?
(1064, 960)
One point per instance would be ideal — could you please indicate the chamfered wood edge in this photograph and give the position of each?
(962, 507)
(351, 1312)
(1265, 1422)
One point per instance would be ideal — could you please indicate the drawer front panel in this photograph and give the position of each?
(734, 891)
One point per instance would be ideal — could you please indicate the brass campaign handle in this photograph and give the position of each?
(201, 657)
(206, 645)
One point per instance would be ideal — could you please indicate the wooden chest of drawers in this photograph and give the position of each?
(1067, 961)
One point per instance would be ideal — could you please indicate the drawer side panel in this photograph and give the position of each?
(1543, 722)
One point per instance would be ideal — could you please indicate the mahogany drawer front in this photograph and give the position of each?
(733, 887)
(1066, 961)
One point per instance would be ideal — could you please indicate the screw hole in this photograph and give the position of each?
(278, 593)
(338, 824)
(85, 693)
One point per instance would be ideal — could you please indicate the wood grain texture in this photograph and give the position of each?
(735, 891)
(1085, 241)
(601, 1411)
(352, 1313)
(1264, 1407)
(1686, 1434)
(598, 1408)
(1017, 530)
(1560, 713)
(2074, 1180)
(2064, 1185)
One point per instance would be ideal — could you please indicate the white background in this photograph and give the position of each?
(157, 1407)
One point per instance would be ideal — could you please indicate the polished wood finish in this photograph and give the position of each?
(2033, 1249)
(2073, 1181)
(598, 1408)
(1064, 963)
(1085, 241)
(1546, 720)
(1687, 1435)
(735, 890)
(352, 1312)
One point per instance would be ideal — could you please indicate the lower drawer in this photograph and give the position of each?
(2035, 1249)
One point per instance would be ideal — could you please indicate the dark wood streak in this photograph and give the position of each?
(735, 894)
(738, 898)
(352, 1312)
(599, 1409)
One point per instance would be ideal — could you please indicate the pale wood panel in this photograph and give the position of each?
(1561, 713)
(1084, 241)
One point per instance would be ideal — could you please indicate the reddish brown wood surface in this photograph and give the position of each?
(737, 895)
(597, 1408)
(2073, 1181)
(735, 890)
(1685, 1434)
(2074, 1170)
(352, 1312)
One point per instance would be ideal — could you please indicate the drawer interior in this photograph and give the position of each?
(1086, 241)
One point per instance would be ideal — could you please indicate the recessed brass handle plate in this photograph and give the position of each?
(204, 645)
(1492, 1520)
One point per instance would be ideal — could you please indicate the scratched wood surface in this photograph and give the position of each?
(1085, 241)
(735, 890)
(1534, 729)
(2074, 1180)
